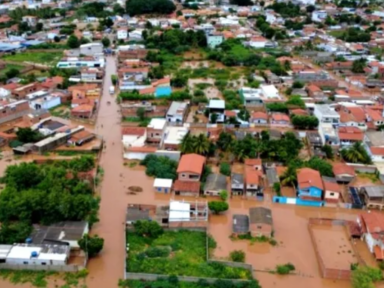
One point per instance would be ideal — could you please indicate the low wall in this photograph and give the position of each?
(56, 268)
(154, 277)
(233, 264)
(329, 273)
(363, 168)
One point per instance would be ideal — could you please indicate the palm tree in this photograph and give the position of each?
(186, 145)
(200, 144)
(356, 154)
(289, 177)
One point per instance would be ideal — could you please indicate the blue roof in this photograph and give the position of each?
(163, 91)
(31, 43)
(9, 47)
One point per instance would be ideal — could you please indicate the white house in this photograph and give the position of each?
(46, 103)
(177, 112)
(4, 93)
(325, 114)
(258, 42)
(122, 34)
(29, 254)
(319, 15)
(91, 49)
(214, 40)
(136, 35)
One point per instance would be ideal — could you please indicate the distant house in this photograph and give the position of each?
(122, 34)
(155, 130)
(280, 119)
(255, 163)
(373, 226)
(309, 184)
(259, 118)
(260, 221)
(258, 42)
(373, 196)
(237, 184)
(240, 224)
(177, 112)
(214, 39)
(217, 107)
(350, 135)
(343, 173)
(214, 184)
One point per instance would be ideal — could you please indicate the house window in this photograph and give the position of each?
(259, 227)
(43, 263)
(332, 194)
(182, 175)
(25, 262)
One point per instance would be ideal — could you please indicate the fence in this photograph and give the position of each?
(56, 268)
(154, 277)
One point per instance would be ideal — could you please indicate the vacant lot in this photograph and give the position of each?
(177, 252)
(50, 58)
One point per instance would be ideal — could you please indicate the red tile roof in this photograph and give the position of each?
(280, 117)
(377, 151)
(259, 115)
(301, 112)
(342, 168)
(307, 177)
(253, 162)
(374, 222)
(192, 163)
(187, 186)
(333, 187)
(140, 131)
(351, 133)
(252, 176)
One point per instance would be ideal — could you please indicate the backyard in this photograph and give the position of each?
(45, 58)
(177, 253)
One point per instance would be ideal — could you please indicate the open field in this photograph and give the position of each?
(50, 58)
(177, 252)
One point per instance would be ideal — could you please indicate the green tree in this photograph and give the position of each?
(151, 229)
(218, 206)
(296, 100)
(365, 277)
(140, 113)
(297, 84)
(225, 169)
(237, 256)
(27, 135)
(11, 73)
(225, 141)
(327, 149)
(91, 244)
(213, 117)
(73, 42)
(358, 66)
(106, 42)
(356, 154)
(136, 7)
(160, 167)
(223, 195)
(324, 167)
(289, 177)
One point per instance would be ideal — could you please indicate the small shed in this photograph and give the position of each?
(163, 185)
(240, 224)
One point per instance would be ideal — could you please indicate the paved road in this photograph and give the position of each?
(106, 269)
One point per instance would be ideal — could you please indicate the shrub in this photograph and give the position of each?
(151, 229)
(225, 169)
(223, 195)
(154, 252)
(277, 188)
(218, 206)
(237, 256)
(285, 269)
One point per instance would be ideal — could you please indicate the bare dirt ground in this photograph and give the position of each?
(210, 92)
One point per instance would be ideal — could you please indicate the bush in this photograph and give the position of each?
(154, 252)
(277, 188)
(160, 167)
(218, 206)
(237, 256)
(151, 229)
(285, 269)
(223, 195)
(225, 169)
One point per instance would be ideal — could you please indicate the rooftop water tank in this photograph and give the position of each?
(34, 254)
(28, 240)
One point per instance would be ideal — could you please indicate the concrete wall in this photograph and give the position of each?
(57, 268)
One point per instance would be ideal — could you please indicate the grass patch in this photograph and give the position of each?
(142, 122)
(371, 176)
(187, 256)
(74, 153)
(35, 278)
(9, 67)
(61, 111)
(50, 58)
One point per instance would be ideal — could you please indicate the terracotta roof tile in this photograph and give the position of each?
(307, 177)
(342, 168)
(191, 163)
(187, 186)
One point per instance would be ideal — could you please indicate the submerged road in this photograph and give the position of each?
(108, 267)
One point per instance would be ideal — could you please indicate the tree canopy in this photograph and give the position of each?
(138, 7)
(218, 206)
(356, 154)
(45, 194)
(160, 167)
(91, 244)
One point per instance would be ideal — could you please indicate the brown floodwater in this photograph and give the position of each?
(290, 222)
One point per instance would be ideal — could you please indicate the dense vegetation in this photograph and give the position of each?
(173, 282)
(137, 7)
(160, 167)
(189, 253)
(286, 10)
(45, 194)
(91, 244)
(356, 154)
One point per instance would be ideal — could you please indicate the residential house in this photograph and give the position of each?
(76, 62)
(214, 39)
(254, 163)
(189, 172)
(30, 20)
(314, 140)
(373, 196)
(325, 114)
(315, 92)
(122, 34)
(310, 75)
(133, 136)
(214, 184)
(173, 136)
(217, 107)
(134, 74)
(92, 49)
(155, 130)
(329, 134)
(339, 66)
(260, 222)
(13, 111)
(162, 185)
(240, 224)
(259, 118)
(253, 183)
(353, 116)
(237, 184)
(332, 191)
(21, 92)
(343, 173)
(376, 153)
(280, 119)
(319, 15)
(177, 112)
(374, 118)
(372, 223)
(350, 135)
(309, 184)
(258, 42)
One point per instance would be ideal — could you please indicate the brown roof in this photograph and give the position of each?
(342, 168)
(144, 149)
(301, 112)
(374, 221)
(252, 176)
(377, 150)
(260, 215)
(140, 131)
(187, 186)
(280, 117)
(307, 177)
(81, 135)
(191, 163)
(351, 133)
(331, 186)
(259, 115)
(253, 162)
